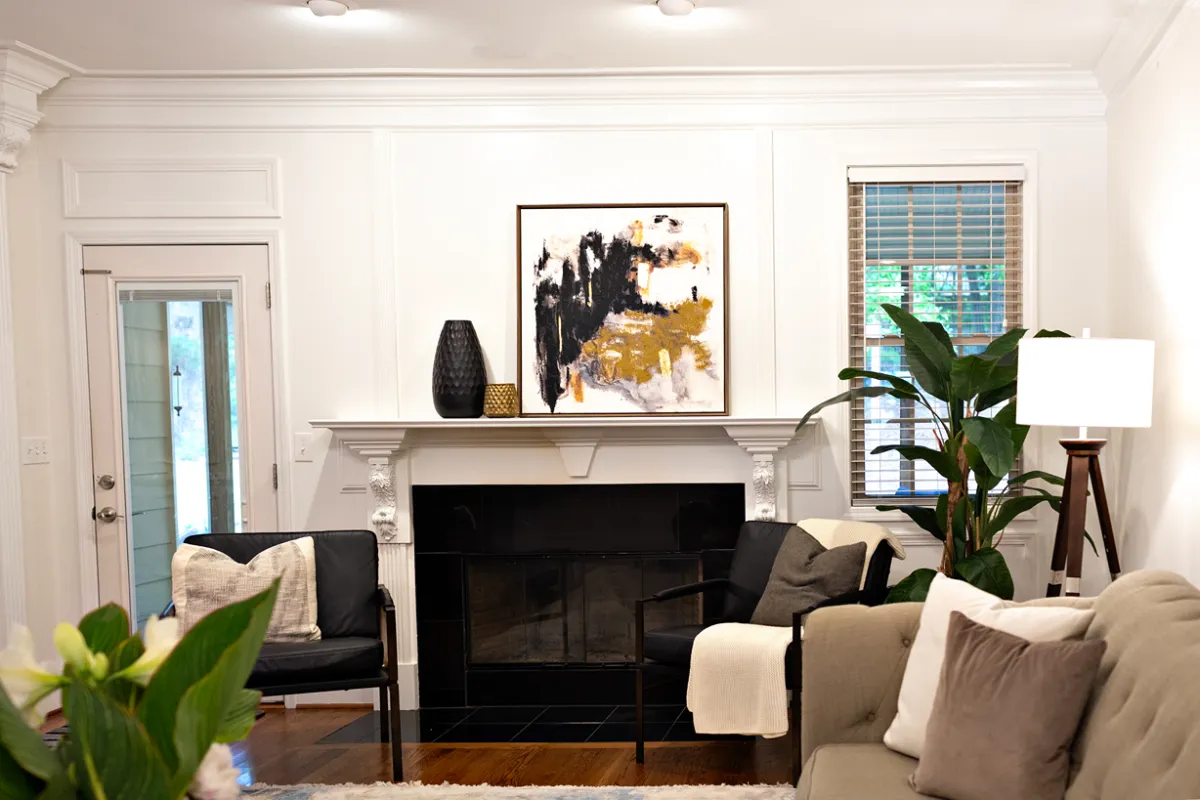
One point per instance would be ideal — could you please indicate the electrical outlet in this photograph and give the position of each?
(302, 448)
(35, 450)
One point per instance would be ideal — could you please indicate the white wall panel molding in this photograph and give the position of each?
(171, 188)
(24, 74)
(511, 102)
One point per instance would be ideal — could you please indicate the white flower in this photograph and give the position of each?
(25, 681)
(71, 646)
(161, 636)
(217, 777)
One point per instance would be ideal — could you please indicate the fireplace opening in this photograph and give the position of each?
(526, 594)
(569, 611)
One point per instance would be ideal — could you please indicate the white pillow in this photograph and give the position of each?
(203, 580)
(946, 595)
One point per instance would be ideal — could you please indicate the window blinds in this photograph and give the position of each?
(945, 251)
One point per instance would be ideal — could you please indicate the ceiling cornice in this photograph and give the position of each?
(1135, 42)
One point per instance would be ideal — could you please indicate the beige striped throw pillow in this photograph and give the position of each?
(203, 580)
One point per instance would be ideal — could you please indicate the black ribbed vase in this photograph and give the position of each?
(459, 376)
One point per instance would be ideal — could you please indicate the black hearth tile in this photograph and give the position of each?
(494, 714)
(627, 732)
(710, 515)
(414, 727)
(551, 686)
(439, 587)
(443, 698)
(440, 655)
(557, 732)
(445, 518)
(667, 714)
(595, 714)
(468, 732)
(445, 715)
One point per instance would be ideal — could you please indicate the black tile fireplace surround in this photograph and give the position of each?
(525, 593)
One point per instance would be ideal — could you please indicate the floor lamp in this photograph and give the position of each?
(1084, 383)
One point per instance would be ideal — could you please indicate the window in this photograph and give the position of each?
(945, 251)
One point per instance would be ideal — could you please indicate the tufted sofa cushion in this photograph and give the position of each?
(1141, 735)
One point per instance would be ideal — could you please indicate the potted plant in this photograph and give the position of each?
(971, 405)
(149, 718)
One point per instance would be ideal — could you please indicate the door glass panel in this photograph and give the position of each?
(179, 362)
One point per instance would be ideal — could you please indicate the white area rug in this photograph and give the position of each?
(418, 791)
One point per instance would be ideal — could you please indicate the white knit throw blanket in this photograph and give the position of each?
(737, 683)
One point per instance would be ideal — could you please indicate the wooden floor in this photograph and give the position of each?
(283, 749)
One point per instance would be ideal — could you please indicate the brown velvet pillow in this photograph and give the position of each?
(1005, 715)
(805, 574)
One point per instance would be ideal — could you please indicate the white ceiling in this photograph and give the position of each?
(264, 35)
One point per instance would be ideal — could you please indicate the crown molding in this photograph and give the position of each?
(1135, 42)
(676, 101)
(24, 74)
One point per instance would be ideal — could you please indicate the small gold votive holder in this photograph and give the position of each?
(500, 400)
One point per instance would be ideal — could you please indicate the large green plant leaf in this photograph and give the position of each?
(15, 782)
(1002, 375)
(940, 460)
(114, 757)
(849, 373)
(995, 443)
(958, 527)
(1052, 334)
(845, 397)
(924, 516)
(986, 569)
(1036, 475)
(23, 743)
(928, 360)
(1014, 506)
(939, 333)
(105, 628)
(995, 397)
(1002, 346)
(969, 375)
(914, 588)
(1007, 417)
(239, 717)
(225, 644)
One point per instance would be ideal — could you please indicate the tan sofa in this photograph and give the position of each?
(1140, 738)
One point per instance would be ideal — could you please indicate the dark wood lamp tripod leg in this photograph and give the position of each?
(1106, 528)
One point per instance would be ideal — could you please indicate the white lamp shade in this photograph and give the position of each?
(1100, 383)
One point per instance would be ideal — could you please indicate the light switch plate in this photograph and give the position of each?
(35, 450)
(302, 446)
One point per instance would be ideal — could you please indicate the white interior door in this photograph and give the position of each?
(179, 371)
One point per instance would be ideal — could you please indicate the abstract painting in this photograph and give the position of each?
(622, 309)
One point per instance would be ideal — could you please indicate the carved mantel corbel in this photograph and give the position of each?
(763, 442)
(381, 463)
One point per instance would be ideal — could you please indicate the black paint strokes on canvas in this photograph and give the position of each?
(569, 314)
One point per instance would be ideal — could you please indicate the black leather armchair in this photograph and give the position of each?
(753, 557)
(357, 618)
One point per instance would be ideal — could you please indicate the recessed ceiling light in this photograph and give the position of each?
(676, 8)
(327, 8)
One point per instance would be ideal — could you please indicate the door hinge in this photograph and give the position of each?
(268, 294)
(275, 476)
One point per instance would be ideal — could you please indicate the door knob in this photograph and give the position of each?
(106, 482)
(107, 514)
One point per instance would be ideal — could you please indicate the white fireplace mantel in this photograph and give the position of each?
(380, 441)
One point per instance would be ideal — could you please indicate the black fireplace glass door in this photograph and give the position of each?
(577, 611)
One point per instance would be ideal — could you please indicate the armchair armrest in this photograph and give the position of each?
(688, 589)
(853, 660)
(387, 631)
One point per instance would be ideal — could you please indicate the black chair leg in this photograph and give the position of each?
(385, 721)
(396, 738)
(641, 715)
